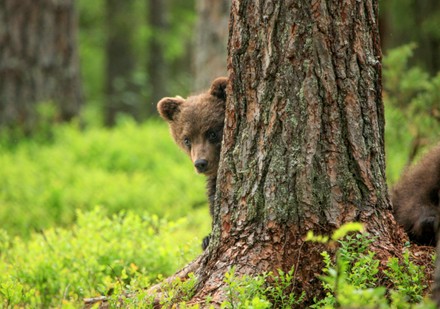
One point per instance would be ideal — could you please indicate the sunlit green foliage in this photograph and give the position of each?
(412, 110)
(136, 167)
(351, 280)
(121, 255)
(95, 256)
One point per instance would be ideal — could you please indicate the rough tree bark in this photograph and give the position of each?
(38, 60)
(210, 50)
(303, 144)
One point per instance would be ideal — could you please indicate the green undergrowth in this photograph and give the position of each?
(43, 181)
(59, 267)
(121, 255)
(83, 211)
(351, 278)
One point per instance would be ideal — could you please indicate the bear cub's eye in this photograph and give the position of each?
(187, 142)
(212, 136)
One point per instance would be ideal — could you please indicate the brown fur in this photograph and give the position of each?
(416, 199)
(196, 125)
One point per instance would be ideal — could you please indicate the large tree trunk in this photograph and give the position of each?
(210, 50)
(303, 144)
(38, 60)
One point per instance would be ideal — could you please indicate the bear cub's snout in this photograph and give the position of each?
(201, 165)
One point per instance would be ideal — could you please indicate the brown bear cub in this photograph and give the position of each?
(196, 125)
(416, 199)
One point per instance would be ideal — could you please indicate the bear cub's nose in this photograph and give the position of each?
(201, 165)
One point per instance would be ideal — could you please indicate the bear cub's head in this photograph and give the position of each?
(196, 124)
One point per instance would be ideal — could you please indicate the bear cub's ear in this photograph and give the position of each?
(218, 88)
(168, 108)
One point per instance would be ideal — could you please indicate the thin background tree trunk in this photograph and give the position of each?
(121, 93)
(210, 50)
(38, 60)
(157, 68)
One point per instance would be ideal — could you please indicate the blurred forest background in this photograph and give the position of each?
(84, 160)
(95, 62)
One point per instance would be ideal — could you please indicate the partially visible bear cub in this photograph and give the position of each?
(416, 199)
(196, 125)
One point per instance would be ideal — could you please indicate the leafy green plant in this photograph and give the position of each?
(244, 290)
(279, 291)
(351, 278)
(408, 278)
(135, 295)
(267, 290)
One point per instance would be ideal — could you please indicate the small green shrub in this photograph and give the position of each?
(407, 278)
(351, 279)
(134, 295)
(241, 291)
(267, 290)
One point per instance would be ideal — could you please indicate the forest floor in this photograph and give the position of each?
(422, 256)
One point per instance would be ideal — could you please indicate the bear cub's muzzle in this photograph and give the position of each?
(201, 165)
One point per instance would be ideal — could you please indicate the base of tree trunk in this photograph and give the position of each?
(254, 257)
(282, 250)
